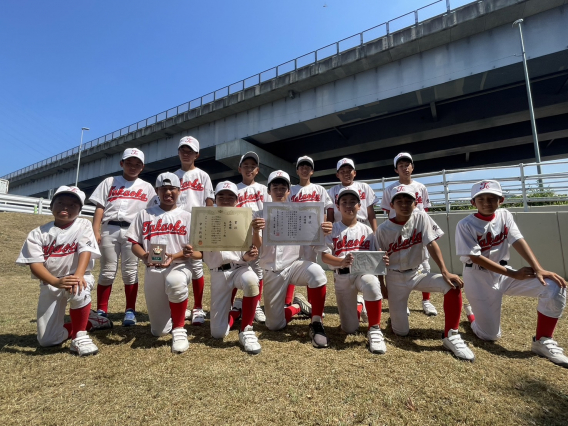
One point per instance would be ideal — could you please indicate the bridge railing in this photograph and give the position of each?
(409, 19)
(22, 204)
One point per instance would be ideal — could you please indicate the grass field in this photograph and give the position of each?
(135, 379)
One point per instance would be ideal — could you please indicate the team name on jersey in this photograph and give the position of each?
(362, 195)
(304, 198)
(250, 198)
(120, 193)
(149, 230)
(194, 186)
(61, 250)
(492, 241)
(400, 244)
(418, 198)
(341, 245)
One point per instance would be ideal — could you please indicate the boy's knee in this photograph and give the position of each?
(316, 276)
(553, 302)
(250, 284)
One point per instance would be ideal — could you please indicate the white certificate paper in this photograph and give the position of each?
(368, 262)
(293, 224)
(221, 228)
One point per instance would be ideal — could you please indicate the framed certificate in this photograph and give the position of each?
(293, 224)
(221, 228)
(368, 262)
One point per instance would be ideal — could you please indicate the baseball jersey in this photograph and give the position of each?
(253, 196)
(311, 193)
(196, 188)
(59, 248)
(122, 199)
(421, 192)
(491, 238)
(215, 259)
(346, 239)
(366, 194)
(156, 226)
(404, 243)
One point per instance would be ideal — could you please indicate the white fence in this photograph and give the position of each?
(22, 204)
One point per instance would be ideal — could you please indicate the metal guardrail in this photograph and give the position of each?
(22, 204)
(436, 8)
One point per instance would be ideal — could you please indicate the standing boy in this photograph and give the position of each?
(482, 242)
(196, 191)
(403, 167)
(60, 254)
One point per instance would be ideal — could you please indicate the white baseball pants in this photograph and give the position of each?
(308, 253)
(346, 288)
(196, 267)
(114, 244)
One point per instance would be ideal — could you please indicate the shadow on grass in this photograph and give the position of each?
(492, 347)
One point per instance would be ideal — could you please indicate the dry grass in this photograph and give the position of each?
(136, 379)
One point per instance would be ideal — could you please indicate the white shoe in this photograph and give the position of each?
(259, 314)
(82, 345)
(198, 317)
(248, 340)
(407, 312)
(180, 344)
(429, 309)
(376, 340)
(548, 348)
(467, 309)
(361, 301)
(454, 343)
(98, 322)
(188, 314)
(303, 303)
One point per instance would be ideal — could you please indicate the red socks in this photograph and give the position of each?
(198, 286)
(260, 286)
(69, 327)
(290, 312)
(317, 297)
(425, 296)
(103, 294)
(290, 294)
(374, 309)
(249, 308)
(233, 316)
(545, 326)
(178, 313)
(359, 310)
(452, 310)
(131, 292)
(79, 320)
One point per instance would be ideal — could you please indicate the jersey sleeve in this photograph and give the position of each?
(466, 241)
(134, 232)
(153, 199)
(208, 188)
(327, 202)
(385, 200)
(100, 194)
(372, 199)
(431, 229)
(32, 250)
(88, 242)
(327, 247)
(514, 233)
(425, 198)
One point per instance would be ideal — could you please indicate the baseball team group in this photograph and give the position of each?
(132, 217)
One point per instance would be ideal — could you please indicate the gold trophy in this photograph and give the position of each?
(157, 254)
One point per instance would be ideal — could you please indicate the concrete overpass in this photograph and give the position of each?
(449, 89)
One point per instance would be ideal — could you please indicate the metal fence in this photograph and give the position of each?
(22, 204)
(436, 8)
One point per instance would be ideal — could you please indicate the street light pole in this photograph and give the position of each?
(519, 22)
(79, 157)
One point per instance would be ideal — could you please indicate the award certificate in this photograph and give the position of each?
(221, 228)
(368, 262)
(293, 224)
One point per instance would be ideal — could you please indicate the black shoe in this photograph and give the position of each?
(317, 334)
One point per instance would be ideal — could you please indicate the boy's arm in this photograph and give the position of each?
(330, 215)
(338, 262)
(257, 227)
(436, 254)
(97, 221)
(140, 253)
(40, 271)
(488, 264)
(372, 218)
(526, 253)
(209, 202)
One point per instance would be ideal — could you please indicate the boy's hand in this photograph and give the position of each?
(168, 261)
(146, 260)
(386, 259)
(71, 283)
(258, 224)
(97, 236)
(542, 274)
(187, 250)
(347, 261)
(251, 254)
(525, 273)
(327, 227)
(452, 280)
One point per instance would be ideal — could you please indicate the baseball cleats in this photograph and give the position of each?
(454, 343)
(429, 309)
(180, 344)
(82, 345)
(98, 322)
(361, 301)
(548, 348)
(304, 305)
(259, 314)
(317, 334)
(376, 340)
(198, 317)
(248, 340)
(129, 318)
(188, 314)
(102, 313)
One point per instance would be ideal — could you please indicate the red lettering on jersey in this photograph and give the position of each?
(340, 246)
(60, 250)
(120, 193)
(149, 230)
(400, 244)
(194, 186)
(249, 198)
(304, 198)
(492, 241)
(418, 198)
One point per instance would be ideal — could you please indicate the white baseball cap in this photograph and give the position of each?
(305, 159)
(167, 179)
(133, 152)
(401, 156)
(278, 174)
(402, 189)
(189, 141)
(344, 161)
(348, 190)
(71, 190)
(250, 154)
(486, 187)
(227, 186)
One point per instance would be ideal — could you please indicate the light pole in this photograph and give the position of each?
(79, 157)
(519, 22)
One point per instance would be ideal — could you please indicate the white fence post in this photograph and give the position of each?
(446, 191)
(40, 206)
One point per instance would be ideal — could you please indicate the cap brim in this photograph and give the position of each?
(487, 191)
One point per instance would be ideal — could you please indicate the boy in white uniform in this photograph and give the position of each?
(196, 191)
(252, 194)
(282, 265)
(61, 255)
(165, 285)
(482, 242)
(118, 200)
(404, 237)
(404, 166)
(230, 270)
(347, 236)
